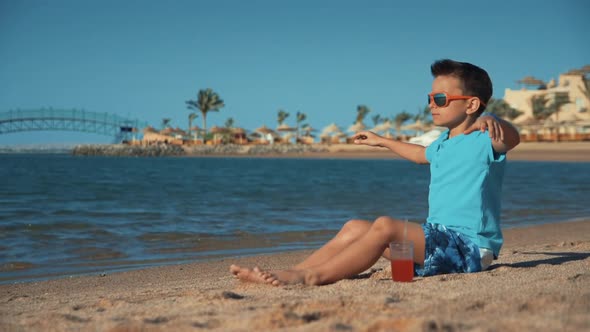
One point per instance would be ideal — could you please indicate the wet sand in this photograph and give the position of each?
(540, 282)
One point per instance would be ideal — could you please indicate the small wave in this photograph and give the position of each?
(16, 266)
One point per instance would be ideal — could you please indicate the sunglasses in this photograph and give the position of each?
(442, 99)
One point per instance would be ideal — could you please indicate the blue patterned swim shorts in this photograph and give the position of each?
(447, 251)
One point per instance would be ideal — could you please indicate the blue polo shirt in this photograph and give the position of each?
(465, 187)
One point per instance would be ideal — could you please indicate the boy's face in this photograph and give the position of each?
(455, 112)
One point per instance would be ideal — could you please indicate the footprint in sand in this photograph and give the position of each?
(580, 277)
(232, 296)
(210, 324)
(76, 319)
(157, 320)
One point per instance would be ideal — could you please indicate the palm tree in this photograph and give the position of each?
(539, 107)
(166, 123)
(282, 116)
(191, 118)
(423, 115)
(559, 99)
(541, 111)
(361, 112)
(229, 124)
(306, 128)
(585, 89)
(501, 108)
(376, 119)
(400, 119)
(300, 118)
(207, 101)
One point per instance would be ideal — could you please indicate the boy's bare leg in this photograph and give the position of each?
(355, 258)
(350, 232)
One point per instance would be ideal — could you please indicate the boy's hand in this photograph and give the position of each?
(367, 138)
(490, 123)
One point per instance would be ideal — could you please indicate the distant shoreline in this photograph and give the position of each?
(545, 151)
(530, 151)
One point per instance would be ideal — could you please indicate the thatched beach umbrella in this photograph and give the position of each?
(240, 133)
(288, 130)
(178, 132)
(356, 127)
(416, 126)
(329, 132)
(383, 127)
(255, 134)
(330, 129)
(149, 129)
(166, 131)
(530, 80)
(285, 127)
(264, 130)
(215, 130)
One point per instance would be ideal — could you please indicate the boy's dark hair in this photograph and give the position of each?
(476, 81)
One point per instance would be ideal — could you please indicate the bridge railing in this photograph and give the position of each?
(66, 119)
(72, 114)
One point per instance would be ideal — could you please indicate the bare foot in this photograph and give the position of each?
(278, 278)
(287, 277)
(251, 275)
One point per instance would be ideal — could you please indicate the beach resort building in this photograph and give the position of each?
(572, 118)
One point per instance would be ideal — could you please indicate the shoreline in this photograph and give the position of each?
(541, 281)
(527, 151)
(218, 257)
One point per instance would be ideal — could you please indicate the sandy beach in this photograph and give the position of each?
(540, 282)
(530, 151)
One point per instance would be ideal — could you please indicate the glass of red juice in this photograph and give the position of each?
(402, 261)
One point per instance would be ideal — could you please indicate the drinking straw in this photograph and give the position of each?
(405, 229)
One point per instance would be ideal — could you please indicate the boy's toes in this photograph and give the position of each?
(234, 269)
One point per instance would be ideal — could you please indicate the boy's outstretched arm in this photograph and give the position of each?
(412, 152)
(504, 136)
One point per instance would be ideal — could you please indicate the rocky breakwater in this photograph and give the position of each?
(163, 150)
(252, 150)
(124, 150)
(285, 149)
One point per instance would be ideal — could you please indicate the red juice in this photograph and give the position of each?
(402, 270)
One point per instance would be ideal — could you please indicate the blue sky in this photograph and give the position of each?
(144, 59)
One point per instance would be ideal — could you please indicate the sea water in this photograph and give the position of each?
(62, 215)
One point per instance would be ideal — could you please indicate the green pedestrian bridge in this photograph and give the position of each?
(49, 119)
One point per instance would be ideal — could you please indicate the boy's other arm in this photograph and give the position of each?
(503, 134)
(409, 151)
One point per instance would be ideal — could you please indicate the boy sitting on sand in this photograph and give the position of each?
(462, 232)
